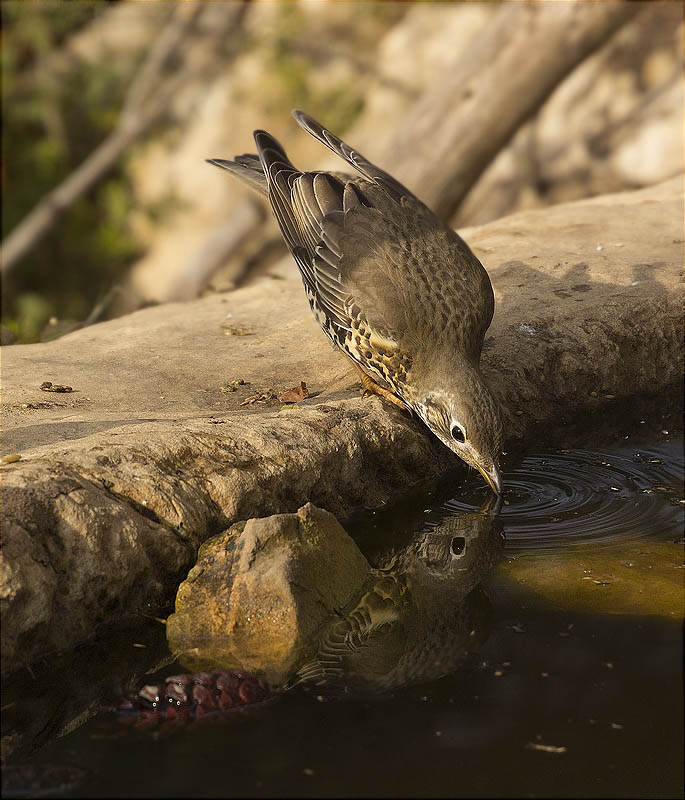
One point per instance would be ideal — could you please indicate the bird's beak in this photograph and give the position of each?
(492, 476)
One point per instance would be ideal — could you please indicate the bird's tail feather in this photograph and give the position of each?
(280, 176)
(247, 167)
(276, 165)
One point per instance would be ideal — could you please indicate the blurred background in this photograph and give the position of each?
(110, 108)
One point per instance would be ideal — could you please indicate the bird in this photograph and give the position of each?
(396, 289)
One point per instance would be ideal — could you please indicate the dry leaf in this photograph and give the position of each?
(295, 394)
(259, 397)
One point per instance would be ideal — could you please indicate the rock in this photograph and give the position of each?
(73, 556)
(588, 300)
(291, 597)
(260, 591)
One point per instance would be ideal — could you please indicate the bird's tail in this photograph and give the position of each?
(247, 168)
(271, 167)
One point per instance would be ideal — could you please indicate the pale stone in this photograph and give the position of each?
(155, 457)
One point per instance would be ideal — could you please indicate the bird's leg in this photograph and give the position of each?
(371, 387)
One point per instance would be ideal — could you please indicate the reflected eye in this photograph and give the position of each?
(458, 545)
(458, 434)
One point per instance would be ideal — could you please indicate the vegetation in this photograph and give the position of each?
(400, 67)
(50, 124)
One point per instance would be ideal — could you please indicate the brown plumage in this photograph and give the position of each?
(396, 289)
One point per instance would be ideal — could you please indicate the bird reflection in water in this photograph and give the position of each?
(420, 614)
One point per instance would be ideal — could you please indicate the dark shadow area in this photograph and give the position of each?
(15, 440)
(553, 705)
(64, 690)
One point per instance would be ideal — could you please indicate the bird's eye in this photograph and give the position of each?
(458, 434)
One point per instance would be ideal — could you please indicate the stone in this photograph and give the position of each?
(74, 556)
(260, 591)
(161, 459)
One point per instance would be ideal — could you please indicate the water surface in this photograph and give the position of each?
(555, 695)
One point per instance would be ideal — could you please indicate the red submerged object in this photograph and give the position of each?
(183, 698)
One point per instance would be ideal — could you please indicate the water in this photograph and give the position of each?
(544, 664)
(574, 497)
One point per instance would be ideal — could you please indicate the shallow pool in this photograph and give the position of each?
(544, 664)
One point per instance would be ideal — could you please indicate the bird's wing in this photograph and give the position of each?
(452, 281)
(355, 159)
(329, 225)
(384, 276)
(364, 644)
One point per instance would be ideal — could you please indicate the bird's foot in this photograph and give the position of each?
(370, 387)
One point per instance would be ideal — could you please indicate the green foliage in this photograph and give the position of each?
(32, 312)
(51, 123)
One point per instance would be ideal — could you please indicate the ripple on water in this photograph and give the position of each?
(574, 497)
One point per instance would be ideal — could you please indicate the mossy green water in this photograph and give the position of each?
(644, 577)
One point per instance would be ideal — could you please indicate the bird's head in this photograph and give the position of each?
(466, 418)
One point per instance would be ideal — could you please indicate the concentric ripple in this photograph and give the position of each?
(578, 496)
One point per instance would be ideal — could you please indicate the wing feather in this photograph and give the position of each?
(311, 210)
(353, 157)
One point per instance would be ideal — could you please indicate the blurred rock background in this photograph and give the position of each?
(111, 108)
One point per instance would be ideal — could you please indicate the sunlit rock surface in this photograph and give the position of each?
(260, 591)
(120, 480)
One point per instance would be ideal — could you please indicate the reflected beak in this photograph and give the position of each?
(492, 477)
(492, 505)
